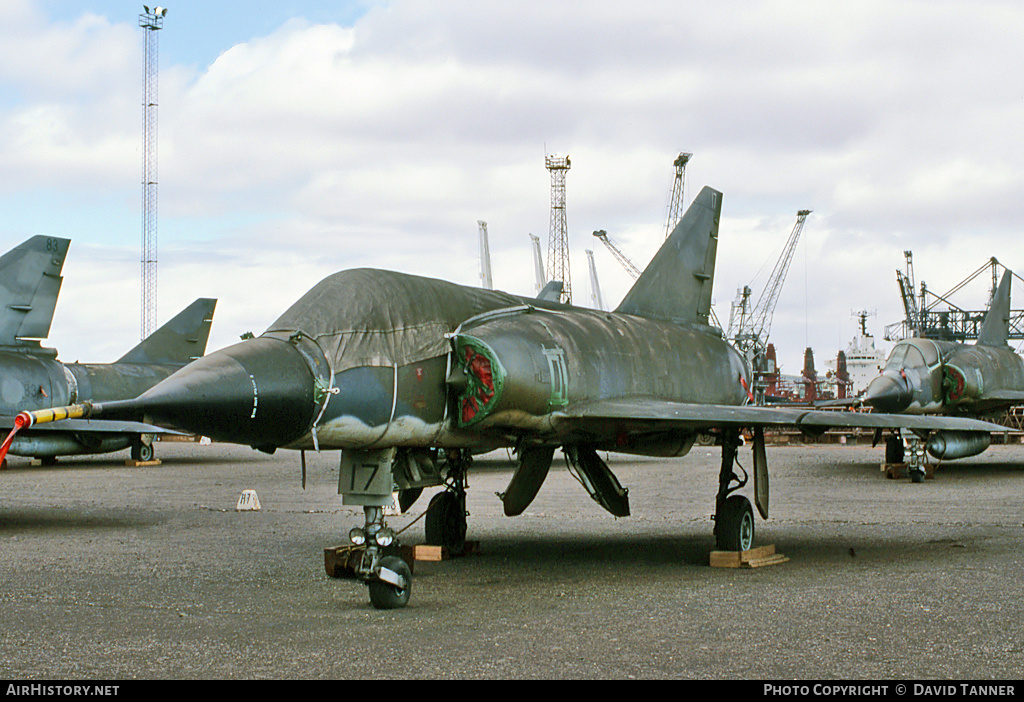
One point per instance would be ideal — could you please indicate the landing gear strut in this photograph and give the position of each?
(915, 459)
(734, 517)
(366, 479)
(387, 577)
(446, 514)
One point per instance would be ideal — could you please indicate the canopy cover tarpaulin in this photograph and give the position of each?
(370, 317)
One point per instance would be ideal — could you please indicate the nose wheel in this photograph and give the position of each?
(389, 591)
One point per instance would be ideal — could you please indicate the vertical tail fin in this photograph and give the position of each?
(179, 341)
(995, 328)
(676, 285)
(30, 281)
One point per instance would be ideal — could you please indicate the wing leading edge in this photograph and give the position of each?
(660, 414)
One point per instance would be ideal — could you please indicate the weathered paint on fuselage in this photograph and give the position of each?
(38, 380)
(34, 379)
(976, 375)
(543, 359)
(560, 355)
(539, 362)
(923, 376)
(378, 406)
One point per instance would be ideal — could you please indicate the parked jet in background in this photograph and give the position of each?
(926, 377)
(32, 377)
(398, 370)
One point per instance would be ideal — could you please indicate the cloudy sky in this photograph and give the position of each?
(300, 138)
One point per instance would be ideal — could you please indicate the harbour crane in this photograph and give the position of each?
(749, 327)
(538, 264)
(486, 281)
(596, 299)
(622, 258)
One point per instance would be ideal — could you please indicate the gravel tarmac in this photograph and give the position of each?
(113, 572)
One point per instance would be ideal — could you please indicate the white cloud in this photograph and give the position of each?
(319, 147)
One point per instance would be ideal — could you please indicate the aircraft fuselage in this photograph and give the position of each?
(35, 379)
(923, 376)
(280, 390)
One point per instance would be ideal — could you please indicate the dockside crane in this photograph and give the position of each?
(675, 199)
(631, 268)
(924, 319)
(596, 298)
(749, 327)
(538, 264)
(486, 281)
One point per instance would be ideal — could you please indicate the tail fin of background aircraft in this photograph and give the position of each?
(995, 328)
(552, 292)
(29, 284)
(676, 285)
(180, 340)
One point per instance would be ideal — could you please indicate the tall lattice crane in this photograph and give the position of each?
(675, 200)
(538, 264)
(749, 328)
(906, 283)
(622, 258)
(486, 281)
(596, 298)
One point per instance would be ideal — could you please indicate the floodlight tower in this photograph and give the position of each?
(558, 237)
(151, 21)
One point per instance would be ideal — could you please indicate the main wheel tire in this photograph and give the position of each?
(446, 522)
(141, 451)
(734, 526)
(385, 595)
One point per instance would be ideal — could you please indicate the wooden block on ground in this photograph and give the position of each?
(131, 462)
(899, 470)
(754, 558)
(336, 561)
(426, 552)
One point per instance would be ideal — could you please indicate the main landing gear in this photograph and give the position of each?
(734, 517)
(446, 514)
(909, 451)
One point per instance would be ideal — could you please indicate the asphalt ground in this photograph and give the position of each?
(118, 573)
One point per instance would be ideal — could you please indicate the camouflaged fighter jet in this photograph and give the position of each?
(924, 376)
(32, 377)
(409, 376)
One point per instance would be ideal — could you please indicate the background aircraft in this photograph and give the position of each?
(924, 376)
(409, 375)
(31, 377)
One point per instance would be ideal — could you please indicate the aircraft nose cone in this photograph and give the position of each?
(258, 393)
(888, 394)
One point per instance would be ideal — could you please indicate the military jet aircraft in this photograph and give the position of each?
(924, 376)
(32, 377)
(408, 376)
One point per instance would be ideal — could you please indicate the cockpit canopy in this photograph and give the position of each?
(913, 353)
